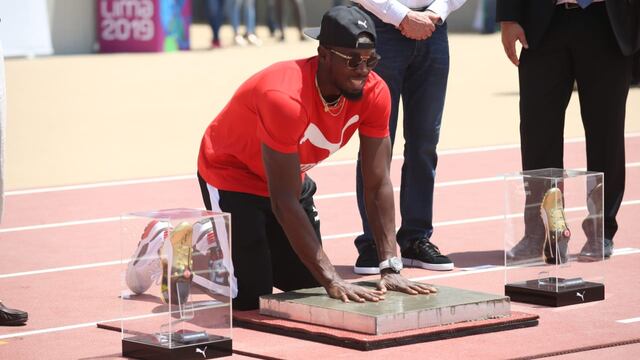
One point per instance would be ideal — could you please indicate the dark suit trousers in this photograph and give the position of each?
(579, 46)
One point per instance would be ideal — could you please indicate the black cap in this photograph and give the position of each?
(341, 26)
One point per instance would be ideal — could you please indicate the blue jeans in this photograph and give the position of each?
(489, 19)
(417, 71)
(249, 15)
(215, 16)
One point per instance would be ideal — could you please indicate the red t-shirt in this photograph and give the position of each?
(280, 107)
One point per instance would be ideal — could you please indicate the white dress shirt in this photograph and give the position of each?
(393, 11)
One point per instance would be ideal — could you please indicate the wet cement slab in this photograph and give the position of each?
(398, 312)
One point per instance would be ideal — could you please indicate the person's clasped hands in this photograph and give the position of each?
(419, 25)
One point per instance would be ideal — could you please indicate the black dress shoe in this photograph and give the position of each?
(12, 317)
(527, 250)
(595, 251)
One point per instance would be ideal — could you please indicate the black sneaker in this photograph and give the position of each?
(367, 263)
(12, 317)
(426, 255)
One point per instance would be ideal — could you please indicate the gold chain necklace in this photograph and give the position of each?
(328, 106)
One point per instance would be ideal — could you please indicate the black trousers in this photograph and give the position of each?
(262, 255)
(579, 46)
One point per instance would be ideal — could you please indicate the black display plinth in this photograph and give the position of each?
(555, 292)
(146, 347)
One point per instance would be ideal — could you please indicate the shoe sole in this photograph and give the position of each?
(181, 261)
(592, 258)
(366, 270)
(589, 258)
(558, 239)
(17, 322)
(419, 264)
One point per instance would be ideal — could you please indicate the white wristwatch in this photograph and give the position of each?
(393, 263)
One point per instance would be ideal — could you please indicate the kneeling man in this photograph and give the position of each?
(280, 123)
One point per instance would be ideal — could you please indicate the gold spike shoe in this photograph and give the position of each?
(180, 274)
(557, 234)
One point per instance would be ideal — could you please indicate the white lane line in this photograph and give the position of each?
(64, 268)
(50, 330)
(61, 224)
(465, 271)
(629, 321)
(616, 252)
(626, 251)
(474, 220)
(99, 185)
(329, 237)
(491, 268)
(469, 150)
(212, 305)
(397, 188)
(95, 323)
(436, 224)
(318, 197)
(479, 267)
(458, 273)
(323, 164)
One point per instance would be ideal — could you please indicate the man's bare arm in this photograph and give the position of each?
(375, 162)
(283, 177)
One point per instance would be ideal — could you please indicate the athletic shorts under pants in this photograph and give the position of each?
(262, 255)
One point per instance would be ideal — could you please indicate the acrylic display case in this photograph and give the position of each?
(554, 237)
(177, 284)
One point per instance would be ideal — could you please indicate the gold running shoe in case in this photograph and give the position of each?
(557, 234)
(180, 274)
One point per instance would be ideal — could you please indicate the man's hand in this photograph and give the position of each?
(435, 18)
(347, 292)
(417, 25)
(397, 282)
(512, 31)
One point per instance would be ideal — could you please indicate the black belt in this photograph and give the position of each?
(570, 6)
(412, 9)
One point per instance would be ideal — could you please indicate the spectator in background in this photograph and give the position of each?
(485, 18)
(215, 16)
(635, 78)
(250, 37)
(299, 13)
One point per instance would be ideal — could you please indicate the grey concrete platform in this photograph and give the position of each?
(398, 312)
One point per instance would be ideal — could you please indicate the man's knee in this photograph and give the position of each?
(244, 303)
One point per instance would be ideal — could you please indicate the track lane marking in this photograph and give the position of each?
(323, 164)
(622, 251)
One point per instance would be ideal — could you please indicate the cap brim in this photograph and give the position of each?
(313, 33)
